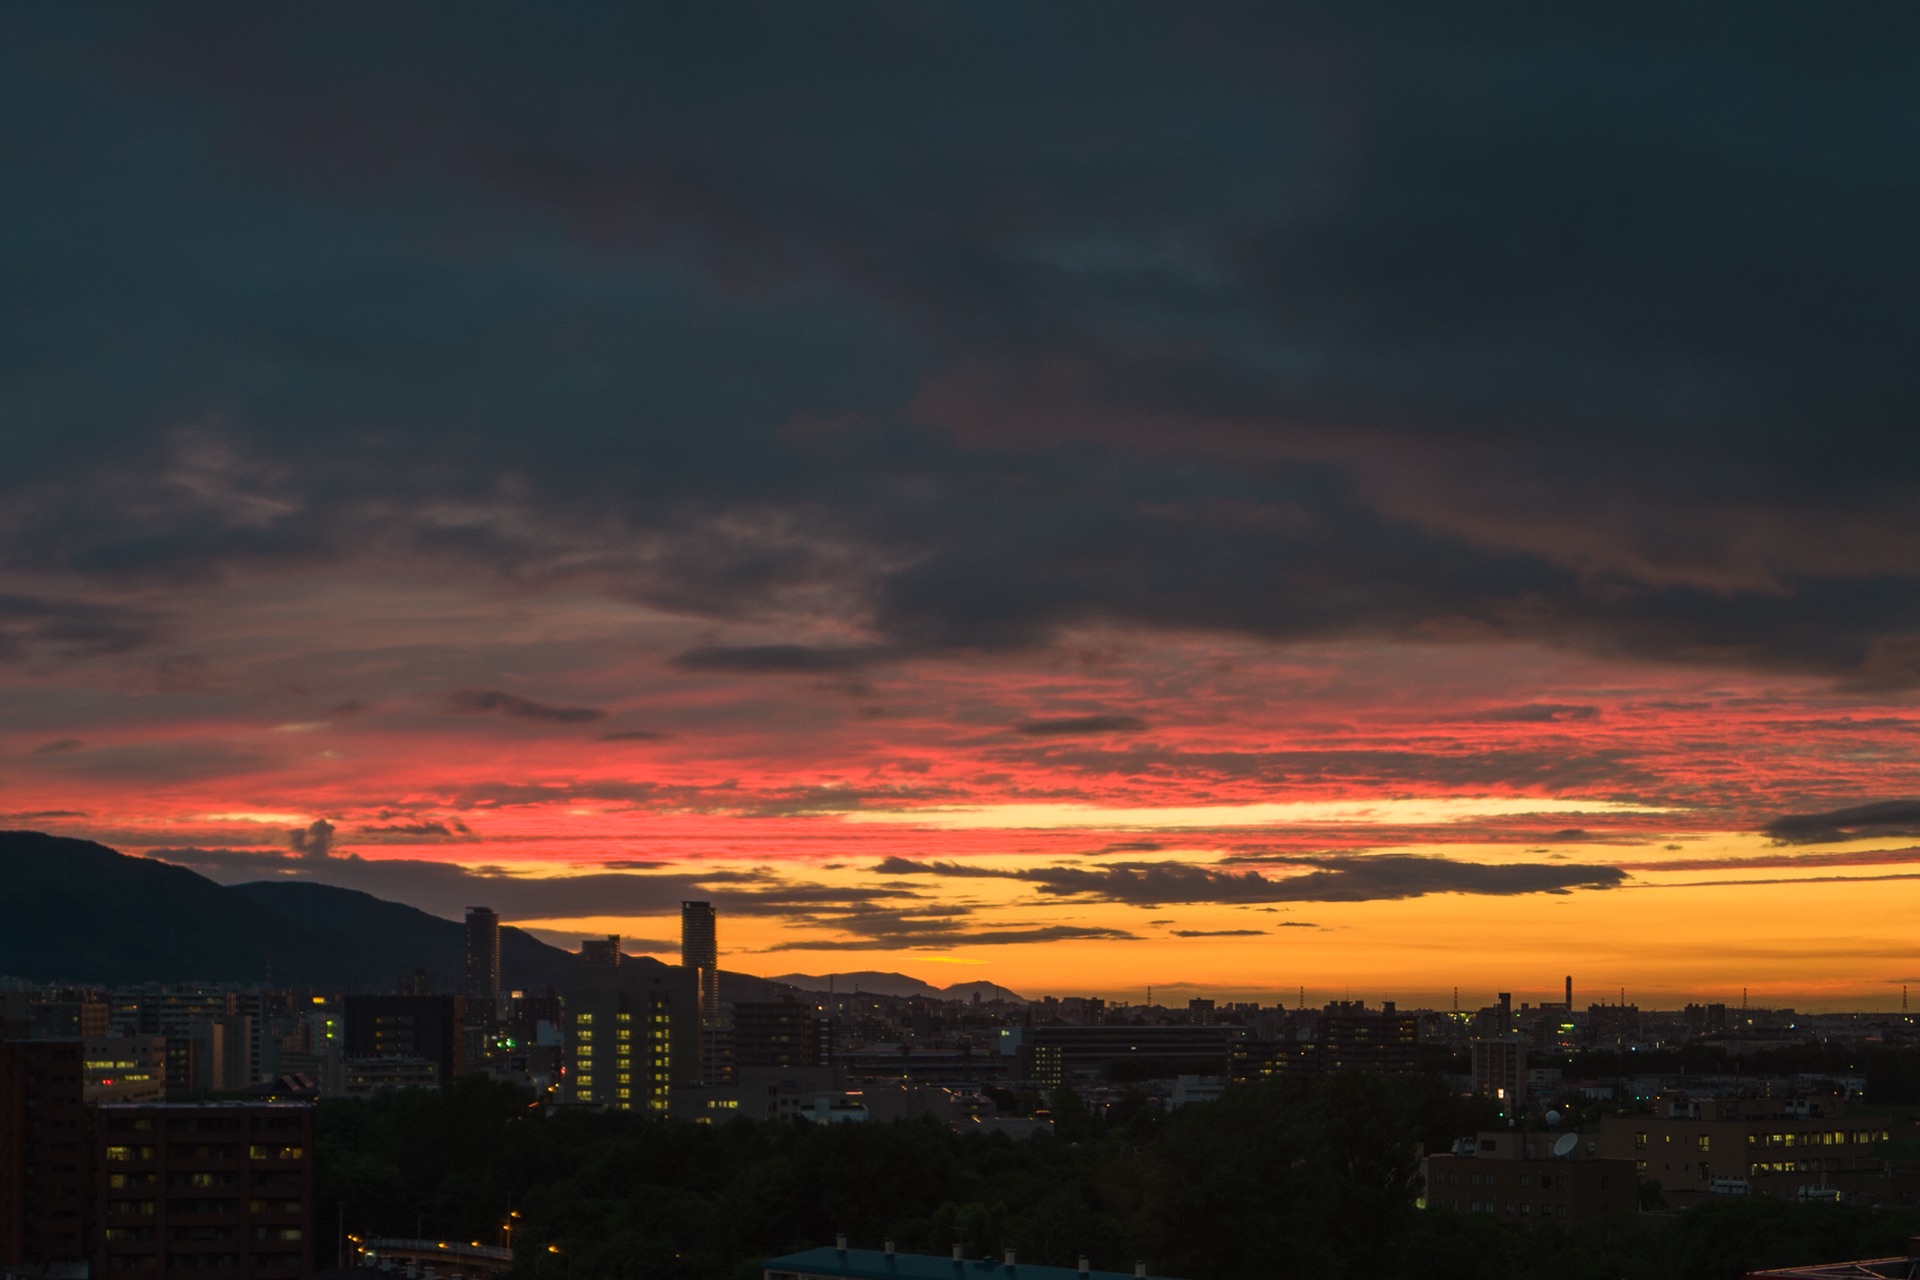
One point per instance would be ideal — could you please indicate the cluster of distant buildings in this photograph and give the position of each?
(169, 1128)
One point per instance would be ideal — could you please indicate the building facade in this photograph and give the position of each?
(43, 1152)
(205, 1191)
(1749, 1146)
(427, 1028)
(700, 952)
(1516, 1177)
(778, 1033)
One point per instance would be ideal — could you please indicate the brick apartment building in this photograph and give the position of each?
(205, 1191)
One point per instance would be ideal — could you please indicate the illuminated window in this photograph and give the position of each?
(1704, 1142)
(1639, 1142)
(585, 1036)
(584, 1019)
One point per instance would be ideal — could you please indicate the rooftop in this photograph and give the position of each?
(876, 1264)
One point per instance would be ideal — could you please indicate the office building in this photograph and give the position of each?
(778, 1033)
(43, 1156)
(1529, 1178)
(427, 1028)
(700, 952)
(205, 1191)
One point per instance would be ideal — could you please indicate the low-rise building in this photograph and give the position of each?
(1779, 1146)
(1529, 1177)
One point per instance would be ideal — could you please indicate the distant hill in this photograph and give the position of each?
(877, 983)
(76, 911)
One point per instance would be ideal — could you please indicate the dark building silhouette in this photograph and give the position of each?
(483, 954)
(631, 1035)
(700, 952)
(432, 1028)
(1351, 1036)
(601, 953)
(1055, 1054)
(779, 1033)
(205, 1191)
(43, 1152)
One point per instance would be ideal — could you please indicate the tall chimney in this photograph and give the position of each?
(1569, 993)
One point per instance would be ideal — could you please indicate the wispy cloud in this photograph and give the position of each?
(494, 702)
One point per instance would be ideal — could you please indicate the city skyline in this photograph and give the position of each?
(1229, 505)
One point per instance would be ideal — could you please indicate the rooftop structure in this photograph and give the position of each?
(1906, 1265)
(884, 1264)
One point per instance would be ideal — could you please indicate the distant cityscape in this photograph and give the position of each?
(113, 1100)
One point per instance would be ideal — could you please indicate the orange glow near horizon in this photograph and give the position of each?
(970, 779)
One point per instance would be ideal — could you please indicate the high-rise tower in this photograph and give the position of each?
(700, 951)
(483, 954)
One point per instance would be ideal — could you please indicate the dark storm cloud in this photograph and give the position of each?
(1357, 878)
(1295, 324)
(776, 659)
(1538, 713)
(1080, 726)
(1219, 933)
(314, 841)
(1881, 818)
(932, 928)
(494, 702)
(31, 626)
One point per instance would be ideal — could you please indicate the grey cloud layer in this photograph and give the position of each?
(1357, 878)
(1265, 321)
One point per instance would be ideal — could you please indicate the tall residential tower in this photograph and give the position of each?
(700, 952)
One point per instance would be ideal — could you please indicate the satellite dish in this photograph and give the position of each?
(1553, 1119)
(1564, 1148)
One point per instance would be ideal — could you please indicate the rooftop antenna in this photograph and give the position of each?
(1903, 999)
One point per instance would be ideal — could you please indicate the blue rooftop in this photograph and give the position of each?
(875, 1264)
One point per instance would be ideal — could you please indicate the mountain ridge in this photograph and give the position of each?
(885, 983)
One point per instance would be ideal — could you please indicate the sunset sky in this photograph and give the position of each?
(1080, 496)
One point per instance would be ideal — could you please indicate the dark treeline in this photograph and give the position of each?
(1309, 1177)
